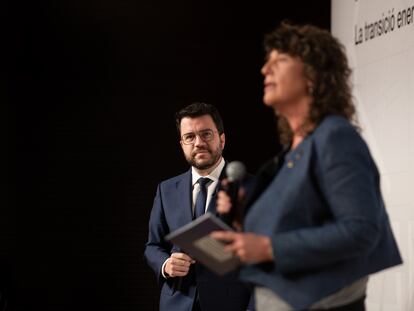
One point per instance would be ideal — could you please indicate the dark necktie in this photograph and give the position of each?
(200, 204)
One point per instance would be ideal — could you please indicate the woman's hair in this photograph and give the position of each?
(325, 65)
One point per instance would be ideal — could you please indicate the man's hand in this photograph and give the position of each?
(178, 265)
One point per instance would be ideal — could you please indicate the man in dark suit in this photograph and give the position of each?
(186, 284)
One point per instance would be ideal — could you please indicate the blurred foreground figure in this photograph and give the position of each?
(316, 225)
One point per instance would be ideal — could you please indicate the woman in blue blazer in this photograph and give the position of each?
(316, 225)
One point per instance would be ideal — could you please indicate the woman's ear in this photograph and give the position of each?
(310, 88)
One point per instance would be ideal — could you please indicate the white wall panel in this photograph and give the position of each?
(383, 78)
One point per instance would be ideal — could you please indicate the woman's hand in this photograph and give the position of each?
(249, 247)
(224, 204)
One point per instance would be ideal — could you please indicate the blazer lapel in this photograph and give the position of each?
(265, 176)
(183, 204)
(212, 205)
(184, 197)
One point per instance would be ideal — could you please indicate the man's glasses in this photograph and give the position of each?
(205, 135)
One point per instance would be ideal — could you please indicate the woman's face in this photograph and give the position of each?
(284, 80)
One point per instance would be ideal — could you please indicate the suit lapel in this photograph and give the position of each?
(184, 198)
(212, 205)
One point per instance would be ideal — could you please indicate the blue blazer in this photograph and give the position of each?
(172, 209)
(325, 216)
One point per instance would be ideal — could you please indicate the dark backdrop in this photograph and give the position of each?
(94, 85)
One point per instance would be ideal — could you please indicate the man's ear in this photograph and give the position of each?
(222, 140)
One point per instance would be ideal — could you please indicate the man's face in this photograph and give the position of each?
(204, 152)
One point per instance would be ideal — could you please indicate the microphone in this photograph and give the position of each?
(235, 172)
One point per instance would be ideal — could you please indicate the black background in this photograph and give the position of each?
(94, 85)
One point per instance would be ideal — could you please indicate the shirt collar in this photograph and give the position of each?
(214, 175)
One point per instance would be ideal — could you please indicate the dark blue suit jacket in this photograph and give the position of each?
(172, 209)
(325, 216)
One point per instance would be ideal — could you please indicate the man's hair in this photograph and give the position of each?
(325, 64)
(198, 109)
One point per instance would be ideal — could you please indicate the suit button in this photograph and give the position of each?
(290, 164)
